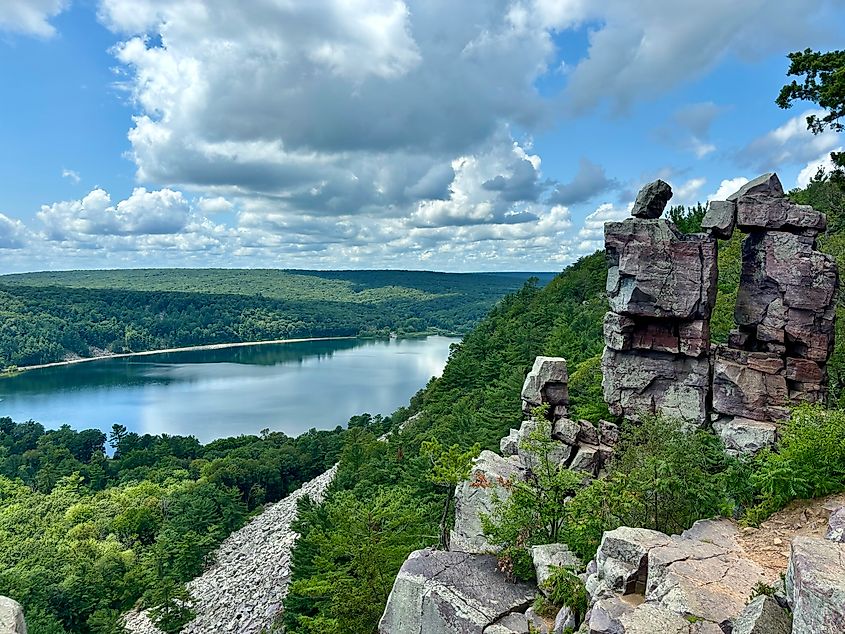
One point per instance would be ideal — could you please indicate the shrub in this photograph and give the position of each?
(566, 589)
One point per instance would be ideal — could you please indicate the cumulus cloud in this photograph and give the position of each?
(589, 181)
(728, 187)
(812, 168)
(13, 234)
(30, 17)
(788, 144)
(590, 236)
(686, 193)
(143, 213)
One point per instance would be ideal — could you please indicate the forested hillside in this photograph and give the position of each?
(56, 315)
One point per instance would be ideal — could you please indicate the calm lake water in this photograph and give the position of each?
(215, 393)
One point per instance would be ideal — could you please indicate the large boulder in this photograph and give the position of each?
(651, 200)
(11, 617)
(491, 477)
(720, 218)
(815, 585)
(765, 185)
(441, 592)
(546, 383)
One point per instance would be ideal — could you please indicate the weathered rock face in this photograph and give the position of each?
(547, 383)
(815, 585)
(441, 592)
(645, 579)
(491, 476)
(548, 557)
(784, 310)
(661, 287)
(11, 617)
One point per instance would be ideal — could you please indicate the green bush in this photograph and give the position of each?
(810, 462)
(566, 589)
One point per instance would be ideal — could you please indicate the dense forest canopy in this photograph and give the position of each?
(57, 315)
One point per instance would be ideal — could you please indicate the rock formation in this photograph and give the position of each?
(11, 617)
(244, 590)
(661, 287)
(784, 314)
(815, 585)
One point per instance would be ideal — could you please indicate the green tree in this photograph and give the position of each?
(449, 466)
(823, 84)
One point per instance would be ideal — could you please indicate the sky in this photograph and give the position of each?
(477, 135)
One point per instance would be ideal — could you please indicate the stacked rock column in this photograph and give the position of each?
(777, 354)
(661, 287)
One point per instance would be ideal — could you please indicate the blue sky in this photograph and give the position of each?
(379, 133)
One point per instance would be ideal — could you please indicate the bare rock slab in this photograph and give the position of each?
(763, 615)
(441, 592)
(11, 617)
(491, 474)
(815, 585)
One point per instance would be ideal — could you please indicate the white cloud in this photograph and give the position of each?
(13, 234)
(155, 212)
(590, 236)
(812, 168)
(789, 143)
(728, 187)
(686, 193)
(689, 128)
(30, 17)
(71, 175)
(589, 181)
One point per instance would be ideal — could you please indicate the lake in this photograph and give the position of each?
(210, 394)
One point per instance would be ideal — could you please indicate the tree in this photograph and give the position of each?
(117, 435)
(449, 466)
(823, 84)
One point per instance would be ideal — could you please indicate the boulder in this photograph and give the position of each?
(720, 218)
(651, 200)
(441, 592)
(549, 557)
(759, 211)
(768, 185)
(653, 619)
(743, 436)
(509, 445)
(565, 620)
(815, 585)
(608, 433)
(566, 430)
(557, 453)
(546, 383)
(655, 271)
(491, 474)
(762, 615)
(588, 459)
(742, 391)
(836, 525)
(621, 560)
(11, 617)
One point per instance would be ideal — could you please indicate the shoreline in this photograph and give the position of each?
(145, 353)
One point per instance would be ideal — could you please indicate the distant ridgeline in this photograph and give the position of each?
(52, 316)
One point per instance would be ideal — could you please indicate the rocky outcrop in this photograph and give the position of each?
(11, 617)
(547, 384)
(815, 585)
(661, 287)
(784, 312)
(490, 478)
(441, 592)
(243, 591)
(641, 578)
(548, 557)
